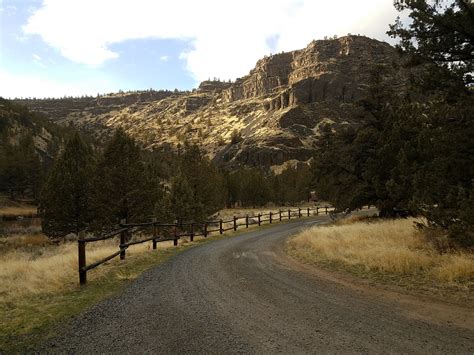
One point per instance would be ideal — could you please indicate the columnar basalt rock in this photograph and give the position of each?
(277, 109)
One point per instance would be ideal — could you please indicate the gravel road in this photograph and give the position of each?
(243, 294)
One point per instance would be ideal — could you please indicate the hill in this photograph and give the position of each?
(267, 118)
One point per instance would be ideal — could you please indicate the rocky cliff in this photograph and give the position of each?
(267, 118)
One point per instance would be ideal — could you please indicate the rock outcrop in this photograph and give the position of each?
(277, 109)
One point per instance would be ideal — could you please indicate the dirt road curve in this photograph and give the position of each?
(243, 294)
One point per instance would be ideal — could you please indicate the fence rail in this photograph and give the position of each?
(176, 231)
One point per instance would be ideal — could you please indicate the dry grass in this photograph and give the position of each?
(30, 264)
(39, 282)
(40, 288)
(25, 210)
(392, 247)
(45, 268)
(23, 241)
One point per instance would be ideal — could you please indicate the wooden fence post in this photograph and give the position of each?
(259, 222)
(192, 232)
(175, 235)
(246, 221)
(123, 238)
(220, 227)
(235, 223)
(279, 212)
(317, 210)
(289, 214)
(81, 246)
(205, 230)
(308, 211)
(270, 217)
(155, 232)
(326, 209)
(299, 212)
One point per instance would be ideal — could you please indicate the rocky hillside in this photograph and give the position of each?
(267, 118)
(18, 124)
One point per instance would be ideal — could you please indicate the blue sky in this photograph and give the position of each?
(74, 47)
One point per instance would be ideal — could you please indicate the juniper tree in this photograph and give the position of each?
(65, 203)
(205, 181)
(183, 202)
(122, 188)
(440, 31)
(441, 34)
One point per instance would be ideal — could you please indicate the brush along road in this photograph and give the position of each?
(244, 294)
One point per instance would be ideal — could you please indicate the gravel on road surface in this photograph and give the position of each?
(243, 294)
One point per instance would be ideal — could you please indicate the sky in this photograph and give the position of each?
(56, 48)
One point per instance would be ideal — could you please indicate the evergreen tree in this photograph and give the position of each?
(440, 31)
(256, 188)
(340, 167)
(205, 181)
(249, 187)
(292, 186)
(20, 168)
(30, 165)
(233, 186)
(65, 203)
(122, 188)
(442, 34)
(183, 203)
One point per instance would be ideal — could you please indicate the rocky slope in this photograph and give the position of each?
(18, 124)
(267, 118)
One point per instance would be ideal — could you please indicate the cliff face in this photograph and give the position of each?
(276, 110)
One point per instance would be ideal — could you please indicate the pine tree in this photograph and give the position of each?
(65, 202)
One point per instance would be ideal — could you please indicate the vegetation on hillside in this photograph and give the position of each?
(28, 143)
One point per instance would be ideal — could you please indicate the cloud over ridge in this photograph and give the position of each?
(225, 37)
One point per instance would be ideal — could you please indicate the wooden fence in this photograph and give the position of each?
(159, 232)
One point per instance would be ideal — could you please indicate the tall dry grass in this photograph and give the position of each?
(394, 246)
(30, 264)
(12, 211)
(42, 268)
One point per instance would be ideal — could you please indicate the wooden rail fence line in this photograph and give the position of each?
(172, 232)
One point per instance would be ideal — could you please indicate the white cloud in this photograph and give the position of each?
(38, 60)
(22, 85)
(164, 58)
(226, 37)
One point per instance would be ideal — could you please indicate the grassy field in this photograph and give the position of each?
(392, 250)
